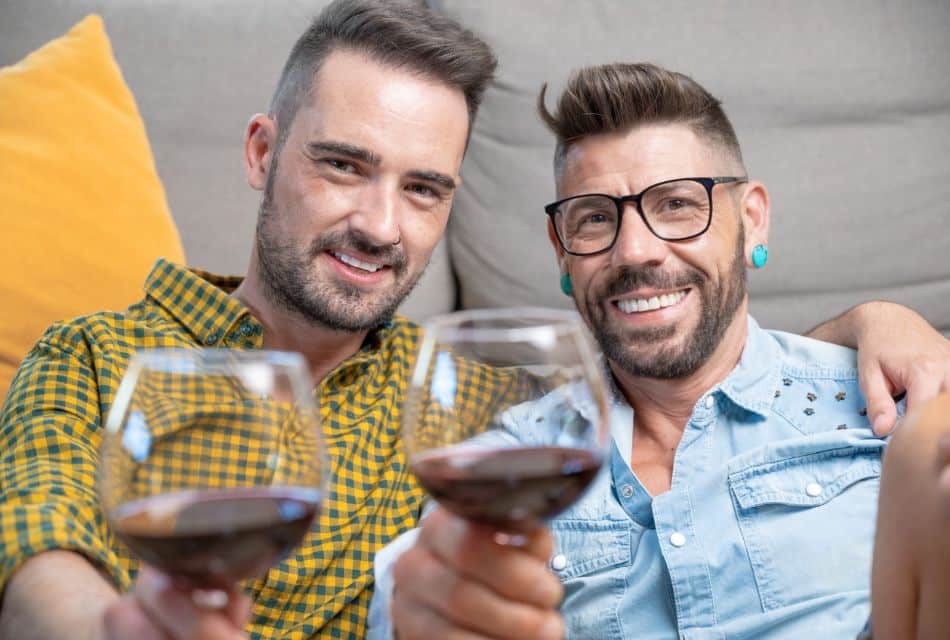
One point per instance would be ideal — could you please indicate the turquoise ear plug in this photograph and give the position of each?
(566, 285)
(760, 255)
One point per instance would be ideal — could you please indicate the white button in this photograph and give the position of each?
(626, 491)
(677, 539)
(558, 562)
(710, 401)
(814, 489)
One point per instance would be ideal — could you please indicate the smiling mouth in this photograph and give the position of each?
(639, 305)
(356, 263)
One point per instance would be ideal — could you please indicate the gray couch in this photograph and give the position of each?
(842, 108)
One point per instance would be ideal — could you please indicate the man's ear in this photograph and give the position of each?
(755, 212)
(260, 141)
(552, 236)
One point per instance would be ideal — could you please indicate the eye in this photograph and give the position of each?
(424, 191)
(598, 217)
(343, 166)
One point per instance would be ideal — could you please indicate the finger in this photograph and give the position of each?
(518, 573)
(922, 385)
(174, 611)
(413, 621)
(537, 543)
(882, 412)
(423, 579)
(238, 609)
(126, 620)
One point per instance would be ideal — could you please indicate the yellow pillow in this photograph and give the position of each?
(83, 214)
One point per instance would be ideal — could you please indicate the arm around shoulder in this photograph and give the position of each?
(898, 352)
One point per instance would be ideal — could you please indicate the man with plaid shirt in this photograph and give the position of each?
(357, 161)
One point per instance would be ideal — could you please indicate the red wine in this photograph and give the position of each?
(213, 539)
(510, 489)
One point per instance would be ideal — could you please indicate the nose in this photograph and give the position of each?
(636, 244)
(376, 213)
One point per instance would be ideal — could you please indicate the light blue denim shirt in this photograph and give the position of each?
(765, 532)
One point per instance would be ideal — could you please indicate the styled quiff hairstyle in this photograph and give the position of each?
(397, 34)
(617, 97)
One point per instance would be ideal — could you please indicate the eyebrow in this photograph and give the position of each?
(365, 155)
(348, 150)
(445, 181)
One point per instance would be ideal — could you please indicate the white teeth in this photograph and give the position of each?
(649, 304)
(372, 267)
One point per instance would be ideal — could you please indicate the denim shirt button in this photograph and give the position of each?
(626, 491)
(814, 489)
(559, 562)
(710, 401)
(677, 539)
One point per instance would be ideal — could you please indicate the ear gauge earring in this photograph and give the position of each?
(567, 287)
(760, 255)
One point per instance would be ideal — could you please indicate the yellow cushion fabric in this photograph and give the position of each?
(83, 214)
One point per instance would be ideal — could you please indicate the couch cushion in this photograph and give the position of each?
(84, 216)
(842, 109)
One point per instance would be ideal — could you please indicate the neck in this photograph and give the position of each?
(662, 408)
(285, 330)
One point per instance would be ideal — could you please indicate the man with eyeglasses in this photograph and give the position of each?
(739, 498)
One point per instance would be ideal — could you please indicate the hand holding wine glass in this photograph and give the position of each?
(506, 425)
(212, 467)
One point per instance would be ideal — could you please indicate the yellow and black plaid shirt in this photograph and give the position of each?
(51, 424)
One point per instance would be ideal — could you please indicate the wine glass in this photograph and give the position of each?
(506, 418)
(212, 465)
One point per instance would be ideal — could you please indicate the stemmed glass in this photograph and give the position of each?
(506, 418)
(212, 465)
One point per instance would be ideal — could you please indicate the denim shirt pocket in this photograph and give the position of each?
(807, 519)
(589, 558)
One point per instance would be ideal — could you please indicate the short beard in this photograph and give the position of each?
(288, 279)
(718, 309)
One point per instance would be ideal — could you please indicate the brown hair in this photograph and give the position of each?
(616, 97)
(397, 34)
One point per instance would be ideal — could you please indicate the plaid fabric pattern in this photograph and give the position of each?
(50, 436)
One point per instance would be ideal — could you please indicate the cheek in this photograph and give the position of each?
(586, 277)
(421, 233)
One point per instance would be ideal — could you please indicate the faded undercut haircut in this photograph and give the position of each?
(612, 98)
(397, 34)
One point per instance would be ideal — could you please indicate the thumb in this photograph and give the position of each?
(882, 412)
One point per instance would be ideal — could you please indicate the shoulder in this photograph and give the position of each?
(813, 357)
(96, 334)
(818, 388)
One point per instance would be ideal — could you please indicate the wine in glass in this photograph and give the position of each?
(506, 420)
(212, 466)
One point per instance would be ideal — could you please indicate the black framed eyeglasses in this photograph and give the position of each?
(672, 210)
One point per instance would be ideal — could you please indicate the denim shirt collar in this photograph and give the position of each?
(752, 384)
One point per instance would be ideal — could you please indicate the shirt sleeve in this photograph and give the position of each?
(49, 443)
(379, 622)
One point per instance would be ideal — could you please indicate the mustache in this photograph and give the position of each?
(360, 242)
(630, 278)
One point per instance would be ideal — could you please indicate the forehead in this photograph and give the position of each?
(629, 161)
(400, 115)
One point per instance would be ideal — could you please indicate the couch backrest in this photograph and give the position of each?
(843, 109)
